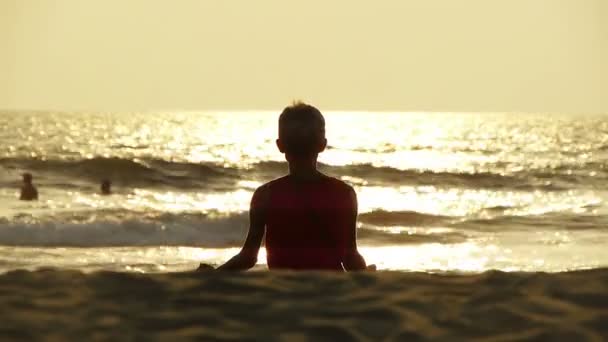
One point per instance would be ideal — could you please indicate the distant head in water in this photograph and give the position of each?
(106, 187)
(301, 136)
(28, 190)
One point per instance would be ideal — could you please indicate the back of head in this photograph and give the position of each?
(301, 130)
(27, 177)
(105, 186)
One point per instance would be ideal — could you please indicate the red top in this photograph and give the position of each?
(307, 223)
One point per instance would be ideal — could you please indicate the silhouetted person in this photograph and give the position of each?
(28, 190)
(106, 186)
(309, 218)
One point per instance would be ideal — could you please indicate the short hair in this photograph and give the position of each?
(301, 129)
(27, 177)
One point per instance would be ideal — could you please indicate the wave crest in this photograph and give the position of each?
(159, 173)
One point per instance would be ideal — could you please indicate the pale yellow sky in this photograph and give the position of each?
(408, 55)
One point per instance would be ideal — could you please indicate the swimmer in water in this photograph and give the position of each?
(28, 190)
(106, 187)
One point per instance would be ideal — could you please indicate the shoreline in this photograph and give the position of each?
(463, 258)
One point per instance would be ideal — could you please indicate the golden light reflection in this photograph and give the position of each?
(233, 201)
(443, 203)
(461, 257)
(414, 141)
(483, 203)
(465, 257)
(427, 257)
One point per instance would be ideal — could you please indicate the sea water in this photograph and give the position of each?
(437, 192)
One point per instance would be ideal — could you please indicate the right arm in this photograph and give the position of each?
(248, 256)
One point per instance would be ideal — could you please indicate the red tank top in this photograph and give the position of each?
(307, 223)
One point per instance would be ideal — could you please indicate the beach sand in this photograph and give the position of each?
(267, 306)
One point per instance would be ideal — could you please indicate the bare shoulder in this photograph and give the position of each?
(261, 196)
(267, 187)
(262, 191)
(342, 186)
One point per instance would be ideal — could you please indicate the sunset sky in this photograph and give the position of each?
(397, 55)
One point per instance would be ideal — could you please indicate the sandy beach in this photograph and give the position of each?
(267, 306)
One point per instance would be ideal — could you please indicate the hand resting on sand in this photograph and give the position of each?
(206, 267)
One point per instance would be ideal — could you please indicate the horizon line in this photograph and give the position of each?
(277, 111)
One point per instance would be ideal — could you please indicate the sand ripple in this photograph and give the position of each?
(265, 306)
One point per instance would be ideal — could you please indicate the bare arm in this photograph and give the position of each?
(353, 261)
(248, 256)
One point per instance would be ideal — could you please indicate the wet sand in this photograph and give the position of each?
(268, 306)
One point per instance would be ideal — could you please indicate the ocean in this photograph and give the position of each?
(483, 226)
(437, 191)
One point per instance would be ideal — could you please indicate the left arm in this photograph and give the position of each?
(352, 260)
